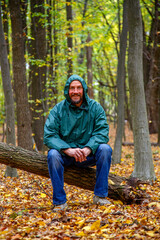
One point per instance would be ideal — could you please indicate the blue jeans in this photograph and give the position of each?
(57, 161)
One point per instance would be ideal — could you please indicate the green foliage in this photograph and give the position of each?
(104, 23)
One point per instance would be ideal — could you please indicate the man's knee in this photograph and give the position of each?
(105, 149)
(54, 157)
(52, 154)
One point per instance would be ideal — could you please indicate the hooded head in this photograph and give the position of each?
(84, 85)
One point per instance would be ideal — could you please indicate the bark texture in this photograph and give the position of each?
(24, 130)
(8, 93)
(69, 37)
(152, 69)
(116, 157)
(144, 168)
(89, 50)
(37, 76)
(84, 178)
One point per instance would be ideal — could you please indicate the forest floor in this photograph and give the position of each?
(26, 210)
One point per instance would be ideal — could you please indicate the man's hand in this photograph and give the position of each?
(86, 151)
(78, 153)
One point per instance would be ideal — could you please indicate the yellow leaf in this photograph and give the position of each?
(137, 236)
(34, 146)
(118, 202)
(111, 182)
(43, 195)
(3, 232)
(38, 101)
(156, 204)
(87, 228)
(108, 209)
(129, 221)
(80, 223)
(96, 225)
(80, 234)
(127, 231)
(105, 227)
(150, 233)
(41, 223)
(108, 236)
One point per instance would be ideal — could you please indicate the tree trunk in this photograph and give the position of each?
(81, 177)
(69, 37)
(144, 168)
(89, 67)
(156, 77)
(81, 55)
(116, 157)
(52, 52)
(4, 6)
(24, 130)
(152, 69)
(9, 101)
(101, 95)
(38, 70)
(158, 142)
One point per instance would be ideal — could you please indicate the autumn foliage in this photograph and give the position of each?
(26, 207)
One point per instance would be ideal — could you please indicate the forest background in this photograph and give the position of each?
(114, 46)
(116, 50)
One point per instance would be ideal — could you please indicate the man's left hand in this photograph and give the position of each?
(86, 151)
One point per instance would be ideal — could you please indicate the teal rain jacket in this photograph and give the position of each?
(69, 126)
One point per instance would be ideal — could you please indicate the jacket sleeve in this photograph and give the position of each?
(100, 131)
(52, 137)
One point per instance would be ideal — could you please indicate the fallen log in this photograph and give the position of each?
(132, 144)
(119, 188)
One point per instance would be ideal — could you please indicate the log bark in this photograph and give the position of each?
(36, 163)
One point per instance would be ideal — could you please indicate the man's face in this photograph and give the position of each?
(76, 93)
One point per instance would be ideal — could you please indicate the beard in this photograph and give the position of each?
(78, 101)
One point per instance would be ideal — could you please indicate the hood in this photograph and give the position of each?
(84, 85)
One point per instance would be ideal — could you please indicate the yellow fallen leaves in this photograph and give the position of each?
(111, 182)
(80, 223)
(155, 204)
(108, 209)
(43, 195)
(94, 226)
(150, 233)
(26, 210)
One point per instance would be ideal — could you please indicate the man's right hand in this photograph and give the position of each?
(77, 153)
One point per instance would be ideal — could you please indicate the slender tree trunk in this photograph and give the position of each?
(151, 70)
(23, 6)
(20, 84)
(9, 101)
(159, 113)
(116, 158)
(5, 22)
(156, 75)
(128, 112)
(89, 67)
(101, 95)
(81, 55)
(143, 168)
(53, 48)
(38, 71)
(69, 37)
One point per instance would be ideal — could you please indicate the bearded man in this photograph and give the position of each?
(76, 133)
